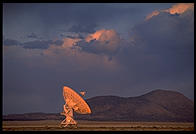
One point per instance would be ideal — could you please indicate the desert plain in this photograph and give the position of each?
(54, 125)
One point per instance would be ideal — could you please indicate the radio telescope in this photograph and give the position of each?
(73, 102)
(83, 93)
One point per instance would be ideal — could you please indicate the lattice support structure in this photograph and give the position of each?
(68, 113)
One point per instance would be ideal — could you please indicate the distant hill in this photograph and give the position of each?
(158, 105)
(33, 116)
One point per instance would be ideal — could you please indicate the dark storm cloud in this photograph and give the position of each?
(92, 47)
(58, 42)
(104, 41)
(46, 18)
(80, 36)
(96, 47)
(85, 28)
(166, 33)
(33, 36)
(11, 42)
(162, 55)
(41, 44)
(36, 44)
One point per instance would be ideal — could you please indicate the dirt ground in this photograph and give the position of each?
(54, 125)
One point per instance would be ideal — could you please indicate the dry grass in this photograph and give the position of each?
(53, 125)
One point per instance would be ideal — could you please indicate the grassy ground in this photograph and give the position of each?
(54, 125)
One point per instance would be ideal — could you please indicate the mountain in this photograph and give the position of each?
(158, 105)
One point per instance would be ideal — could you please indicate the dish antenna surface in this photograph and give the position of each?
(73, 102)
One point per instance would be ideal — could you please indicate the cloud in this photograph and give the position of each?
(32, 35)
(70, 42)
(74, 53)
(102, 35)
(180, 8)
(175, 9)
(11, 42)
(163, 54)
(36, 44)
(43, 44)
(101, 42)
(83, 28)
(85, 18)
(72, 35)
(154, 13)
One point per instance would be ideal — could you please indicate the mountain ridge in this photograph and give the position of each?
(158, 105)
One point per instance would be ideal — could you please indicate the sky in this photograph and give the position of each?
(121, 49)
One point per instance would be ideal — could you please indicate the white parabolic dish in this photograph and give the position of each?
(76, 101)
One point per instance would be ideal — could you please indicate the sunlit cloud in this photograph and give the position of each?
(101, 35)
(102, 42)
(72, 55)
(175, 9)
(154, 13)
(180, 8)
(94, 36)
(69, 42)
